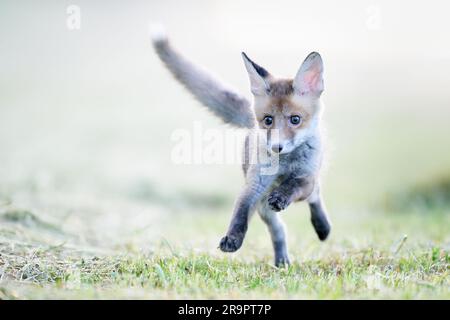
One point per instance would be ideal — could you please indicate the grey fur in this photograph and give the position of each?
(224, 102)
(256, 186)
(277, 232)
(296, 180)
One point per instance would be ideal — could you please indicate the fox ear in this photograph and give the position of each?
(309, 78)
(259, 77)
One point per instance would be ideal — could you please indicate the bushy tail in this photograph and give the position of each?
(221, 100)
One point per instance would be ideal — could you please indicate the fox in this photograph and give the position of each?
(294, 109)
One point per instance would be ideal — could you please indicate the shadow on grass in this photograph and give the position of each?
(425, 197)
(148, 192)
(26, 218)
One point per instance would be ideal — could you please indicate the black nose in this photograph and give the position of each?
(277, 148)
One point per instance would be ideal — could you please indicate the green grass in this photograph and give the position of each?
(202, 275)
(358, 274)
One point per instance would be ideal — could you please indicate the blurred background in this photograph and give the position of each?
(86, 117)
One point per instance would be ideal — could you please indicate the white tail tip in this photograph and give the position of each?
(157, 32)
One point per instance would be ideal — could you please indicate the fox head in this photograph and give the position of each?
(288, 108)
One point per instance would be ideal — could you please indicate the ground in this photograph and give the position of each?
(370, 254)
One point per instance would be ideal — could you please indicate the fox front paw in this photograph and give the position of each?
(230, 243)
(277, 201)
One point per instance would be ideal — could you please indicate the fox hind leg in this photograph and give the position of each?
(319, 216)
(277, 231)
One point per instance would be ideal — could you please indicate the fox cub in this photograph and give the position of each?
(290, 106)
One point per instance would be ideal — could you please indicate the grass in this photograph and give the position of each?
(365, 265)
(359, 274)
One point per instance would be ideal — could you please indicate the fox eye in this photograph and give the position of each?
(268, 120)
(295, 119)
